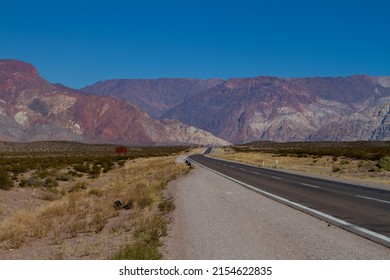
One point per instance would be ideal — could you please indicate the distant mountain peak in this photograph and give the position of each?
(16, 67)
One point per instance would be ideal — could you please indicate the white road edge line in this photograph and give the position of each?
(275, 177)
(303, 207)
(308, 185)
(371, 198)
(254, 172)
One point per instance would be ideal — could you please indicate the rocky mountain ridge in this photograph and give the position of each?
(271, 108)
(33, 109)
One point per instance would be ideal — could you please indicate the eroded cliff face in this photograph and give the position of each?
(33, 109)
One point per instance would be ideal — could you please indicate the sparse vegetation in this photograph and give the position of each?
(384, 163)
(166, 206)
(147, 240)
(365, 150)
(5, 180)
(75, 204)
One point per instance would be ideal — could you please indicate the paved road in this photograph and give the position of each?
(364, 211)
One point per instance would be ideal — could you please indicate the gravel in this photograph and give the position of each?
(216, 218)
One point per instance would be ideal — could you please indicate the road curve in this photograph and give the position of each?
(363, 211)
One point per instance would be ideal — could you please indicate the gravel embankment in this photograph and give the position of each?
(218, 219)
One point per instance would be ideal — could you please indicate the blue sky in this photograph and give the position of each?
(77, 43)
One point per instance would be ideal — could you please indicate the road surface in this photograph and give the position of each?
(361, 210)
(216, 218)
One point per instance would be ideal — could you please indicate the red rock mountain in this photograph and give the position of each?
(268, 108)
(34, 109)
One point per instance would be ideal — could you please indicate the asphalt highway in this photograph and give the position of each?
(361, 210)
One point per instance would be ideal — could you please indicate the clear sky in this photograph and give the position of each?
(77, 43)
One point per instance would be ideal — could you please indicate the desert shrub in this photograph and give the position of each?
(5, 181)
(107, 164)
(81, 168)
(79, 186)
(138, 251)
(64, 177)
(94, 172)
(50, 182)
(166, 206)
(144, 201)
(32, 182)
(19, 168)
(374, 169)
(384, 163)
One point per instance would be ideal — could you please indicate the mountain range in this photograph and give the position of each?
(266, 108)
(193, 111)
(33, 109)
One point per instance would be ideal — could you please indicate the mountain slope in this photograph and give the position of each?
(33, 109)
(270, 108)
(154, 96)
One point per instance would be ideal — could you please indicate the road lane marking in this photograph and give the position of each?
(276, 177)
(242, 169)
(371, 198)
(307, 209)
(254, 172)
(308, 185)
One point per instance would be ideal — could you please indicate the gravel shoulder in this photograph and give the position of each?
(216, 218)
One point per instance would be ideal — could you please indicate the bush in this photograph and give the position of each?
(5, 181)
(64, 177)
(81, 168)
(166, 206)
(384, 163)
(138, 251)
(144, 201)
(94, 172)
(79, 186)
(50, 182)
(31, 182)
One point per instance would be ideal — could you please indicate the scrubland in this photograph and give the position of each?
(86, 203)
